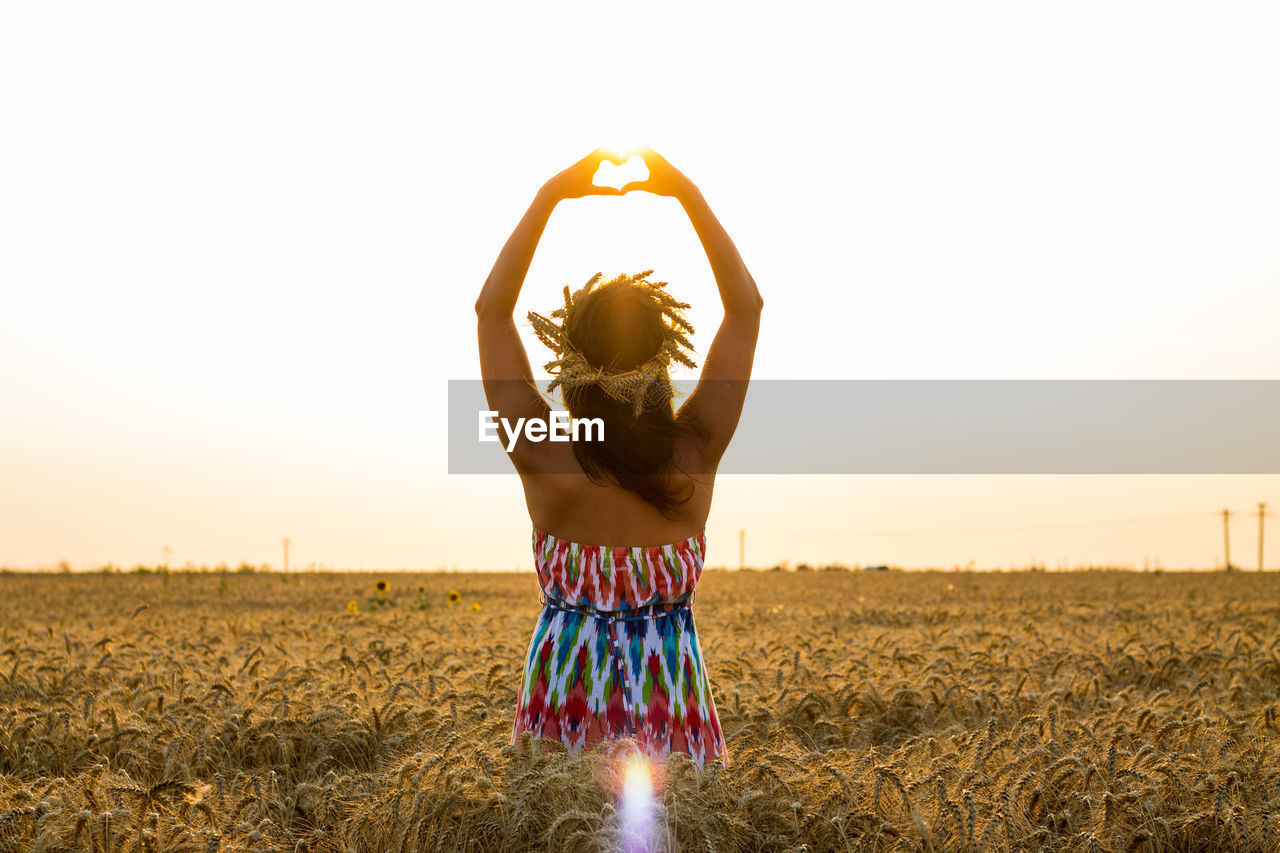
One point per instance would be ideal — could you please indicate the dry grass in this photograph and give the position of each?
(932, 712)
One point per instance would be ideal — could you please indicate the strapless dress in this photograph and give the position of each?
(615, 653)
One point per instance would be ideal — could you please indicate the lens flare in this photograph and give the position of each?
(638, 806)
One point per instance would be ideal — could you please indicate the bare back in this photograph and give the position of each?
(574, 507)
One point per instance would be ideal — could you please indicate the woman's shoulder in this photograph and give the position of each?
(693, 457)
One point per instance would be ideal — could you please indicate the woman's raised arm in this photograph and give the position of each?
(504, 364)
(716, 403)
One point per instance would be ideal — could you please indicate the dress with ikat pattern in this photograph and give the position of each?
(615, 653)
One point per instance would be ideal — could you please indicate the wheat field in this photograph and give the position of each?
(932, 711)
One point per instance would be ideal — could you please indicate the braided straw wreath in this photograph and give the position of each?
(648, 383)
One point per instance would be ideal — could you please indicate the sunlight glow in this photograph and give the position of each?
(637, 810)
(613, 175)
(624, 150)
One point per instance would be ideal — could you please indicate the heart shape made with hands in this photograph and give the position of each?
(611, 174)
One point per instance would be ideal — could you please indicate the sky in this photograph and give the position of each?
(242, 242)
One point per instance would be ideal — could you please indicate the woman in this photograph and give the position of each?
(619, 523)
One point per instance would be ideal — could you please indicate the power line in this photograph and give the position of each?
(293, 543)
(260, 545)
(1012, 529)
(1226, 537)
(1262, 516)
(1226, 514)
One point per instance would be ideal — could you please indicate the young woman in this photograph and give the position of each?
(618, 523)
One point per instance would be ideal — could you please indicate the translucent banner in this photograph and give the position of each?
(943, 427)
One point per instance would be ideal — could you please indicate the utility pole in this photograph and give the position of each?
(286, 553)
(1226, 536)
(742, 549)
(1262, 514)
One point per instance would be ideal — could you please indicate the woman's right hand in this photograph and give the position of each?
(578, 180)
(664, 179)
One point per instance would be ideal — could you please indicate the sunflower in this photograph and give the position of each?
(353, 606)
(382, 587)
(475, 605)
(454, 596)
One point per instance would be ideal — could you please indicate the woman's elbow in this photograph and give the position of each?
(747, 306)
(485, 309)
(755, 289)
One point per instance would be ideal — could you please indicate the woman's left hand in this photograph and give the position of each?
(575, 181)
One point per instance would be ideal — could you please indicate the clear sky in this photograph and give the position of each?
(240, 243)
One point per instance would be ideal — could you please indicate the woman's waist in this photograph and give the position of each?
(620, 610)
(617, 588)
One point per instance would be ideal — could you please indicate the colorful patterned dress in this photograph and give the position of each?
(615, 653)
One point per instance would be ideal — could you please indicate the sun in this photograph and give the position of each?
(623, 145)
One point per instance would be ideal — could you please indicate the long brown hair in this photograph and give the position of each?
(618, 327)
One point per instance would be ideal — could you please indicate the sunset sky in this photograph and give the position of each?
(241, 243)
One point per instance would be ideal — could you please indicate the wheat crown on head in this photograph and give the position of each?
(648, 383)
